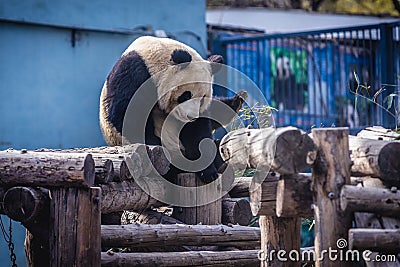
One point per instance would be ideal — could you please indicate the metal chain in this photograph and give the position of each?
(13, 257)
(8, 239)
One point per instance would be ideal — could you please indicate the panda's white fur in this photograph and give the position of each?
(172, 80)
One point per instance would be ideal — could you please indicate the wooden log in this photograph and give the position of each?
(166, 235)
(286, 150)
(263, 196)
(373, 221)
(153, 217)
(46, 169)
(205, 214)
(376, 158)
(381, 240)
(279, 234)
(128, 195)
(241, 187)
(187, 258)
(23, 204)
(156, 155)
(242, 184)
(294, 196)
(75, 228)
(236, 211)
(375, 200)
(36, 221)
(378, 133)
(330, 172)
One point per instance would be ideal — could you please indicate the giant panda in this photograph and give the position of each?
(166, 62)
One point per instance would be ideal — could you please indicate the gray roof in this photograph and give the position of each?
(285, 21)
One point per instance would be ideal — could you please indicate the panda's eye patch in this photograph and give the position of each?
(184, 97)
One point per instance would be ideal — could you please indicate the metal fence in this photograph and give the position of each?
(323, 78)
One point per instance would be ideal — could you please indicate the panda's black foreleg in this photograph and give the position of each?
(234, 102)
(191, 136)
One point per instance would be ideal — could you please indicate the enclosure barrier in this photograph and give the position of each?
(71, 201)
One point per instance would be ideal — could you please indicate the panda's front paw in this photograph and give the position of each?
(209, 174)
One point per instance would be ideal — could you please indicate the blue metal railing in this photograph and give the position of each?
(311, 77)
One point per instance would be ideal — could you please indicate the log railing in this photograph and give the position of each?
(61, 196)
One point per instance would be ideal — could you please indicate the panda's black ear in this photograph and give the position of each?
(213, 60)
(180, 56)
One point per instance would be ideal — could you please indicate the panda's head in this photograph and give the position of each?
(182, 77)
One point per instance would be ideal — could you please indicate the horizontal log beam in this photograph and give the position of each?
(374, 200)
(286, 150)
(46, 169)
(188, 258)
(147, 235)
(128, 195)
(376, 158)
(379, 240)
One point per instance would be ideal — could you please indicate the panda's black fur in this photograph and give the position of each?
(125, 78)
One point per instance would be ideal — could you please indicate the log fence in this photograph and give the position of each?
(71, 202)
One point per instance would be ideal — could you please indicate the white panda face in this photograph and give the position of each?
(190, 100)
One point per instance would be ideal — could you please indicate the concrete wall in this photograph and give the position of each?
(55, 56)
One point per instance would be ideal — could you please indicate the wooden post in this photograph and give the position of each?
(279, 234)
(206, 214)
(330, 172)
(294, 196)
(75, 227)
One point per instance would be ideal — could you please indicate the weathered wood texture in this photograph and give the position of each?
(241, 187)
(205, 214)
(294, 196)
(75, 229)
(236, 211)
(165, 235)
(46, 169)
(32, 209)
(128, 195)
(373, 221)
(190, 258)
(286, 150)
(138, 152)
(263, 196)
(378, 133)
(380, 240)
(279, 234)
(375, 200)
(376, 158)
(153, 217)
(23, 204)
(330, 172)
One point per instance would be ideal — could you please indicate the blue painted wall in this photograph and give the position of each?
(50, 84)
(54, 58)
